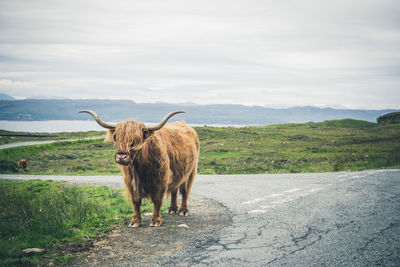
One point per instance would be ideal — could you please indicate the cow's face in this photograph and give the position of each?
(129, 137)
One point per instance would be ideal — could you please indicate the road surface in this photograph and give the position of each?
(320, 219)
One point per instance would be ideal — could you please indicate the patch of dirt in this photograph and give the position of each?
(75, 247)
(148, 246)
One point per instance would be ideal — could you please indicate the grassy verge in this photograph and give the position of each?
(54, 216)
(341, 145)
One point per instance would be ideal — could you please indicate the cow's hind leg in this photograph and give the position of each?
(184, 189)
(173, 208)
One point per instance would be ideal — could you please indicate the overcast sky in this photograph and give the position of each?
(343, 53)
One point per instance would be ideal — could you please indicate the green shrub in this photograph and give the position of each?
(8, 166)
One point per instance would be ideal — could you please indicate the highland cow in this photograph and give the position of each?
(23, 163)
(155, 160)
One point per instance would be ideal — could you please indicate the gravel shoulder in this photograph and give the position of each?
(157, 246)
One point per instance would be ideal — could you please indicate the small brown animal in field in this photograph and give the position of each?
(23, 163)
(155, 160)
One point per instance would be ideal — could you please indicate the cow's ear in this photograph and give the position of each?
(110, 136)
(147, 133)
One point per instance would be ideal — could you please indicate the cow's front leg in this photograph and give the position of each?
(137, 218)
(156, 219)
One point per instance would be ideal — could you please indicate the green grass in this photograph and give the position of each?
(52, 215)
(339, 145)
(85, 157)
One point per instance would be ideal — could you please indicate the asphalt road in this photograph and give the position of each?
(33, 143)
(322, 219)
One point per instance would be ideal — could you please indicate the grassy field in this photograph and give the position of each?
(341, 145)
(311, 147)
(53, 216)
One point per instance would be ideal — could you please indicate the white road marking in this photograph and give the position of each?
(317, 189)
(258, 211)
(267, 206)
(275, 195)
(284, 197)
(260, 199)
(295, 193)
(352, 177)
(292, 190)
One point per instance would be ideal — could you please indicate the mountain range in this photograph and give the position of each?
(216, 114)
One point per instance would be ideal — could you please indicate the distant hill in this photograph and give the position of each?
(390, 118)
(6, 97)
(117, 110)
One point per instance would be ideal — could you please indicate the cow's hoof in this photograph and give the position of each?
(155, 223)
(134, 225)
(135, 222)
(172, 210)
(184, 212)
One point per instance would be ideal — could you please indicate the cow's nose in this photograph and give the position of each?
(121, 157)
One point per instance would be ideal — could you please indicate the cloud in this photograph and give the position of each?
(255, 52)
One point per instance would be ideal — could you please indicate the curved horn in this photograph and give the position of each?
(163, 121)
(99, 121)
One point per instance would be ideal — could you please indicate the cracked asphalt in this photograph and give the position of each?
(318, 219)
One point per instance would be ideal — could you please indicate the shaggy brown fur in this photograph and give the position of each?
(23, 163)
(155, 163)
